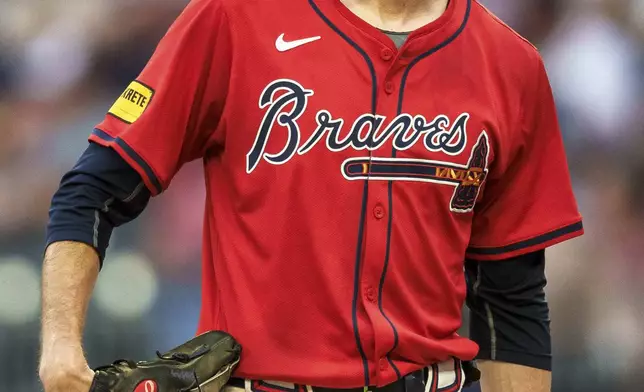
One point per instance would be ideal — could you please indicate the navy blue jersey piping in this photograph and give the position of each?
(403, 82)
(534, 241)
(133, 155)
(365, 193)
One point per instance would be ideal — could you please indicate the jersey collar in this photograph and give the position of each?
(449, 24)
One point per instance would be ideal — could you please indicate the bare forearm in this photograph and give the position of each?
(508, 377)
(69, 274)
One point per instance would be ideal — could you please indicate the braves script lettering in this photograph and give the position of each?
(286, 100)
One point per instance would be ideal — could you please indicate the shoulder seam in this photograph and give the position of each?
(535, 60)
(500, 22)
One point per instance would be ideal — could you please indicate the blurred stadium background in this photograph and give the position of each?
(62, 63)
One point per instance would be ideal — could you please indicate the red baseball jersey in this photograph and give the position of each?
(347, 180)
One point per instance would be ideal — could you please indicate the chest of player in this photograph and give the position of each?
(315, 107)
(326, 95)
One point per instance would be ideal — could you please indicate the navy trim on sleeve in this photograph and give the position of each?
(101, 192)
(132, 155)
(509, 315)
(547, 237)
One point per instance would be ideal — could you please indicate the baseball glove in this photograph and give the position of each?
(202, 364)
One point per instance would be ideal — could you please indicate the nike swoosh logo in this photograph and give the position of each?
(283, 46)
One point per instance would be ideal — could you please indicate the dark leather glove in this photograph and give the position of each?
(202, 364)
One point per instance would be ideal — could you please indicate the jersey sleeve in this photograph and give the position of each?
(529, 204)
(169, 115)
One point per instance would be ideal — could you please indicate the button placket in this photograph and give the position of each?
(370, 294)
(386, 54)
(379, 211)
(389, 87)
(386, 62)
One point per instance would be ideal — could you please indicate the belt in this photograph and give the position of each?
(264, 386)
(464, 374)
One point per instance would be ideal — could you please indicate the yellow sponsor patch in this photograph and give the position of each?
(132, 103)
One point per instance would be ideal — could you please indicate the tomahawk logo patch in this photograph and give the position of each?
(284, 101)
(467, 179)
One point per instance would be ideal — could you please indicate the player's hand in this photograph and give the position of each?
(67, 378)
(65, 373)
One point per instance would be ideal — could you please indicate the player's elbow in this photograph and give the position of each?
(101, 192)
(509, 316)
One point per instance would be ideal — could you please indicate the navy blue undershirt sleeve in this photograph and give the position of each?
(509, 315)
(100, 193)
